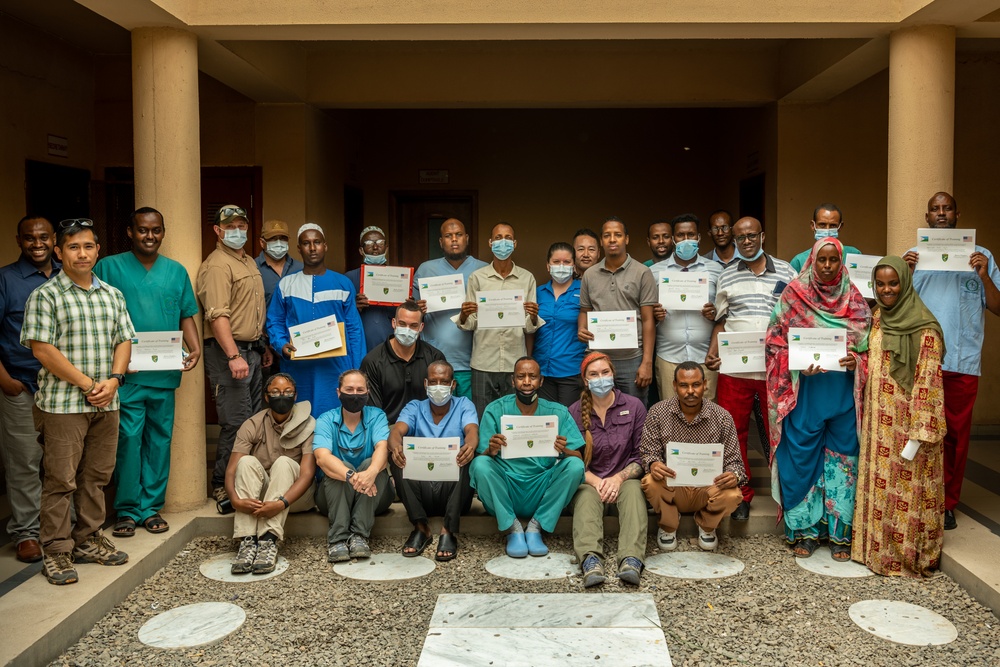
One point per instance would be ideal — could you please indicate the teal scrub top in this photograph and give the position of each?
(524, 470)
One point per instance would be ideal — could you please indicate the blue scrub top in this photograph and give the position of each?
(557, 348)
(420, 421)
(439, 330)
(353, 448)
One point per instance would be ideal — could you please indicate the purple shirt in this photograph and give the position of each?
(616, 440)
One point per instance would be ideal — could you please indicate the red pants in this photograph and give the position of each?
(959, 398)
(736, 395)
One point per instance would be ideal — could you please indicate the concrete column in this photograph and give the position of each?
(921, 127)
(168, 177)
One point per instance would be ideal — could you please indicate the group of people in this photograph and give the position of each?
(891, 421)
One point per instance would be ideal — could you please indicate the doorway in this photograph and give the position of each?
(56, 192)
(415, 219)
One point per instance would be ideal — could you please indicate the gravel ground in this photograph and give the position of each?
(772, 613)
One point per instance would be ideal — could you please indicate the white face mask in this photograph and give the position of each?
(375, 259)
(277, 249)
(560, 273)
(439, 394)
(405, 336)
(234, 238)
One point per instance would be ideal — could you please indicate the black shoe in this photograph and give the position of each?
(949, 520)
(742, 513)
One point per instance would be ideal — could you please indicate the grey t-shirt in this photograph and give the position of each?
(629, 287)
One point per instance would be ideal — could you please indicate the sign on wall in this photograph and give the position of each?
(58, 146)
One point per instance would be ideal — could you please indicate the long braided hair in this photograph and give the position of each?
(587, 404)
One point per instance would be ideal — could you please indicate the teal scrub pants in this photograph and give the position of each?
(143, 460)
(463, 384)
(543, 496)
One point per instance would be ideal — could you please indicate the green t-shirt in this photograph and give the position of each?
(800, 260)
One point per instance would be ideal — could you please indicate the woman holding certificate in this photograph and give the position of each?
(611, 423)
(556, 347)
(814, 412)
(898, 522)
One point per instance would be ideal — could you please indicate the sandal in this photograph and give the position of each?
(447, 544)
(417, 541)
(805, 547)
(124, 527)
(840, 552)
(155, 524)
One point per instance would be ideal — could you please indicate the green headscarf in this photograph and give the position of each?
(901, 325)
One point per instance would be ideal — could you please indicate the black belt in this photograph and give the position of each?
(242, 345)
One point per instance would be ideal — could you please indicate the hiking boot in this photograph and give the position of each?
(219, 494)
(99, 549)
(358, 547)
(593, 571)
(630, 570)
(267, 557)
(245, 556)
(338, 553)
(58, 569)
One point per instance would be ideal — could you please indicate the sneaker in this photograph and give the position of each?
(338, 553)
(58, 569)
(666, 541)
(245, 556)
(99, 549)
(267, 557)
(707, 541)
(593, 571)
(630, 570)
(219, 494)
(358, 547)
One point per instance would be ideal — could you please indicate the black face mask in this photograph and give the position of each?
(353, 402)
(526, 398)
(281, 404)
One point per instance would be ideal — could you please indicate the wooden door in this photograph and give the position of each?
(415, 219)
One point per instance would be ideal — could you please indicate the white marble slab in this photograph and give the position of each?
(539, 647)
(552, 566)
(385, 567)
(545, 610)
(200, 624)
(903, 623)
(693, 565)
(219, 568)
(822, 563)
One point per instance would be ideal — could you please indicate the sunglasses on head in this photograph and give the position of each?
(75, 222)
(230, 211)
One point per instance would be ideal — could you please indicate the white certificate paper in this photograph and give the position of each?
(386, 285)
(741, 352)
(694, 464)
(819, 347)
(442, 292)
(859, 268)
(613, 329)
(500, 309)
(683, 290)
(945, 249)
(156, 351)
(431, 459)
(314, 337)
(529, 436)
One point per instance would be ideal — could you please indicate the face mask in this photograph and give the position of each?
(502, 248)
(405, 336)
(602, 386)
(825, 233)
(526, 398)
(277, 249)
(560, 273)
(281, 404)
(234, 238)
(353, 402)
(760, 251)
(439, 394)
(686, 249)
(375, 259)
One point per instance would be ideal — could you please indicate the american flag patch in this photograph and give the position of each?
(630, 318)
(518, 297)
(458, 281)
(175, 340)
(837, 338)
(452, 446)
(550, 424)
(702, 281)
(716, 453)
(966, 239)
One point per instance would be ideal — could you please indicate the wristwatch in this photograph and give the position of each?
(119, 377)
(349, 475)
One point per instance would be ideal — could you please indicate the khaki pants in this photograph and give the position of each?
(78, 456)
(588, 521)
(709, 504)
(665, 379)
(252, 481)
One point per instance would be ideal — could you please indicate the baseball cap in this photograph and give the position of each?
(230, 212)
(274, 228)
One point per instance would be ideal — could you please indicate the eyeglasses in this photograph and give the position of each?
(721, 229)
(278, 394)
(75, 222)
(747, 237)
(374, 244)
(230, 211)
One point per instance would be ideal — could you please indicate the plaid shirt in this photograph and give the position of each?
(86, 325)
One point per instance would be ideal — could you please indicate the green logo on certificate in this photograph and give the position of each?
(531, 443)
(612, 336)
(499, 316)
(385, 290)
(816, 356)
(745, 359)
(430, 466)
(443, 299)
(694, 472)
(684, 297)
(316, 343)
(944, 257)
(155, 358)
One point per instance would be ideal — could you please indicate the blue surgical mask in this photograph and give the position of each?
(560, 272)
(277, 249)
(235, 238)
(405, 336)
(760, 251)
(502, 248)
(439, 394)
(686, 249)
(602, 386)
(825, 233)
(375, 259)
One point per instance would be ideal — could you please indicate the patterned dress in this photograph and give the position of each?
(898, 517)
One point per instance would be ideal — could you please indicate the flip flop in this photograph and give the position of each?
(447, 543)
(155, 524)
(417, 541)
(124, 527)
(808, 544)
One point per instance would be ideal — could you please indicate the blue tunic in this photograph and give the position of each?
(557, 348)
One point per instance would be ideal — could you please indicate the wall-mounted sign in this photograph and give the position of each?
(58, 146)
(433, 175)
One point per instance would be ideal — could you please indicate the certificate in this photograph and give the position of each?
(500, 309)
(386, 285)
(945, 249)
(859, 268)
(694, 464)
(442, 292)
(819, 347)
(529, 436)
(613, 329)
(741, 352)
(156, 351)
(683, 290)
(431, 459)
(312, 338)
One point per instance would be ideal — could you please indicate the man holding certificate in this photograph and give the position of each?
(431, 445)
(376, 320)
(527, 463)
(159, 298)
(304, 299)
(959, 298)
(677, 432)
